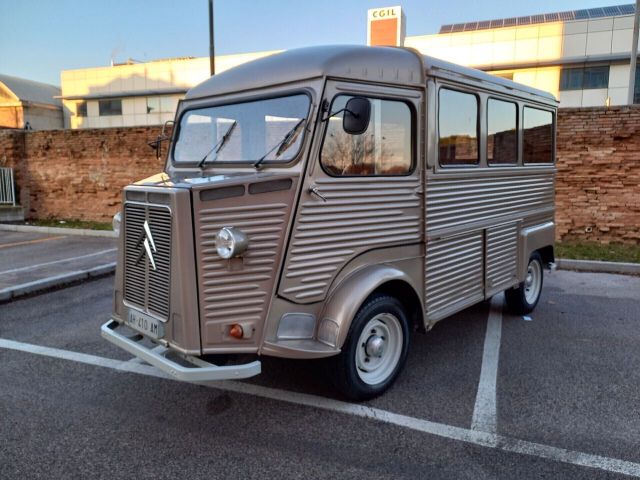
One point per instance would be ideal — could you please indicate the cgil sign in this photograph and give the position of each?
(383, 13)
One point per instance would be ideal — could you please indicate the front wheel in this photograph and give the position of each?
(375, 349)
(524, 298)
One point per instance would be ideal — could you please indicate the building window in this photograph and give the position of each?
(383, 149)
(110, 107)
(537, 136)
(81, 109)
(584, 78)
(502, 132)
(457, 128)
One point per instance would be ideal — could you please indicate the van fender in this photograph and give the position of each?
(347, 298)
(532, 239)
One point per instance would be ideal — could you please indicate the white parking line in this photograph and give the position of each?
(31, 267)
(484, 411)
(490, 440)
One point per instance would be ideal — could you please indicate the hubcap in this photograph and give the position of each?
(379, 348)
(533, 282)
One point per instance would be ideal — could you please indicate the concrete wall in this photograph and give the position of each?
(79, 173)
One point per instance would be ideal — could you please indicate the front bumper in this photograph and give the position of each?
(200, 372)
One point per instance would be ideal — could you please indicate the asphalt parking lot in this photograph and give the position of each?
(30, 261)
(484, 395)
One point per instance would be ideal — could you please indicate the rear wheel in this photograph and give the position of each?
(524, 298)
(375, 349)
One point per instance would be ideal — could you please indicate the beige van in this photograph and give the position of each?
(330, 202)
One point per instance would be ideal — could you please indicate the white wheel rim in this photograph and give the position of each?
(533, 282)
(379, 348)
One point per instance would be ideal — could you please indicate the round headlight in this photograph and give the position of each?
(230, 242)
(117, 220)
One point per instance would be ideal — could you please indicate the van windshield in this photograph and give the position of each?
(243, 132)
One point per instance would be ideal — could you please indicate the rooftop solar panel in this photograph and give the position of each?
(596, 12)
(584, 14)
(567, 16)
(581, 14)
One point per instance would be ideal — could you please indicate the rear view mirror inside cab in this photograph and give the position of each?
(356, 115)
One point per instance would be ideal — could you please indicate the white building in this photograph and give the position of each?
(135, 93)
(580, 56)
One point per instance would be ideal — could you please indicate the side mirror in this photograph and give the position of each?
(357, 112)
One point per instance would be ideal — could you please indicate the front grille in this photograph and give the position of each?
(145, 287)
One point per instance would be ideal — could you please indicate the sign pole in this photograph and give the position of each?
(212, 60)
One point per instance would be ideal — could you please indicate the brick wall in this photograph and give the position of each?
(79, 173)
(598, 184)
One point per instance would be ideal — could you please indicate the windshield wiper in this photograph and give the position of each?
(218, 146)
(283, 144)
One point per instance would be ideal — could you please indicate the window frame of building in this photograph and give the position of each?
(490, 161)
(81, 109)
(583, 78)
(524, 138)
(636, 89)
(109, 111)
(412, 137)
(478, 129)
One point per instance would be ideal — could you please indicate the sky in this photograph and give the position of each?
(39, 38)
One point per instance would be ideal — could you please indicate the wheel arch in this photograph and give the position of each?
(348, 296)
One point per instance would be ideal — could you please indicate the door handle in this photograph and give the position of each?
(314, 190)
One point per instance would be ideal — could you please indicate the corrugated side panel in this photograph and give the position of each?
(359, 214)
(502, 255)
(238, 290)
(453, 201)
(454, 273)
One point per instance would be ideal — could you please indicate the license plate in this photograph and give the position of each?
(145, 324)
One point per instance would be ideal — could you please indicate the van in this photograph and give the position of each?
(330, 202)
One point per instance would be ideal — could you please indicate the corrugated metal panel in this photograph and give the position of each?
(501, 257)
(455, 201)
(454, 271)
(235, 295)
(359, 214)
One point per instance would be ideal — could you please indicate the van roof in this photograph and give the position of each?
(390, 65)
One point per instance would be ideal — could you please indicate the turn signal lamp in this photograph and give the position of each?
(236, 331)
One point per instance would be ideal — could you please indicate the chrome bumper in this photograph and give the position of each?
(200, 372)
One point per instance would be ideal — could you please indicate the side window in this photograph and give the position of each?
(457, 128)
(383, 149)
(537, 136)
(502, 132)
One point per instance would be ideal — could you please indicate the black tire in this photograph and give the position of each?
(345, 373)
(519, 300)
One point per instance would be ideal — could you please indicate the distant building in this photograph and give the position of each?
(28, 104)
(136, 93)
(581, 56)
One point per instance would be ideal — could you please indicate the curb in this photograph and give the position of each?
(55, 281)
(83, 232)
(597, 266)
